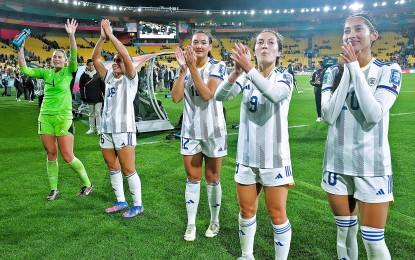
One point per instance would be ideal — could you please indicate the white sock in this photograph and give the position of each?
(192, 196)
(347, 228)
(134, 184)
(214, 191)
(117, 185)
(247, 230)
(282, 240)
(374, 241)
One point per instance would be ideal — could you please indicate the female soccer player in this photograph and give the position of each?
(357, 170)
(55, 119)
(118, 139)
(204, 135)
(263, 153)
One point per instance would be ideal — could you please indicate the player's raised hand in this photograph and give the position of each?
(190, 56)
(242, 56)
(181, 59)
(106, 26)
(349, 54)
(71, 26)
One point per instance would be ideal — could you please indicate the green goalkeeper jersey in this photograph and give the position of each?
(57, 98)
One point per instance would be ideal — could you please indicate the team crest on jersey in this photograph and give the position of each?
(371, 81)
(395, 77)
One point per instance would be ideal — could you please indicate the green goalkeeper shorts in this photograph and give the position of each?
(58, 125)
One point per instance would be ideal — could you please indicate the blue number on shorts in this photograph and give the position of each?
(237, 168)
(254, 104)
(354, 103)
(111, 92)
(185, 141)
(332, 178)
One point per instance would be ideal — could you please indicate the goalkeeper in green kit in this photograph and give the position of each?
(55, 125)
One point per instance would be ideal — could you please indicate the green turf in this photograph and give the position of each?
(70, 227)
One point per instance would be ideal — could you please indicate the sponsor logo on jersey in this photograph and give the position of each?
(395, 77)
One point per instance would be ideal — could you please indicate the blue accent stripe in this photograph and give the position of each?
(216, 76)
(286, 82)
(373, 235)
(346, 223)
(326, 89)
(388, 88)
(282, 230)
(240, 86)
(249, 224)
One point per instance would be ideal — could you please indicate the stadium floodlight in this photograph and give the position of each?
(318, 10)
(375, 4)
(270, 11)
(120, 8)
(292, 11)
(396, 2)
(66, 1)
(383, 3)
(239, 12)
(402, 2)
(139, 9)
(356, 6)
(334, 8)
(278, 11)
(266, 12)
(285, 11)
(223, 12)
(245, 12)
(229, 12)
(306, 10)
(75, 2)
(326, 8)
(98, 6)
(208, 12)
(252, 12)
(302, 10)
(312, 9)
(234, 12)
(344, 7)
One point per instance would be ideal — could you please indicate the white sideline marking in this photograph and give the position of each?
(402, 114)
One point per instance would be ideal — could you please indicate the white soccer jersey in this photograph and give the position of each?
(203, 120)
(118, 113)
(358, 114)
(263, 128)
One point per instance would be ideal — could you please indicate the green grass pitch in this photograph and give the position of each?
(77, 228)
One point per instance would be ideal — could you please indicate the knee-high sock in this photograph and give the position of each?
(79, 168)
(192, 196)
(282, 240)
(117, 185)
(374, 241)
(347, 228)
(52, 168)
(247, 230)
(134, 184)
(214, 192)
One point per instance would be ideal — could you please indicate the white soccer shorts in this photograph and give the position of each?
(376, 189)
(117, 140)
(213, 147)
(272, 177)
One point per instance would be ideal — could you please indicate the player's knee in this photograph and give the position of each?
(247, 211)
(277, 216)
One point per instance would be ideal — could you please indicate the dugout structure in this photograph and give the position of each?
(149, 112)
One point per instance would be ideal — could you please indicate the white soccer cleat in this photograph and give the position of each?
(190, 234)
(319, 119)
(212, 230)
